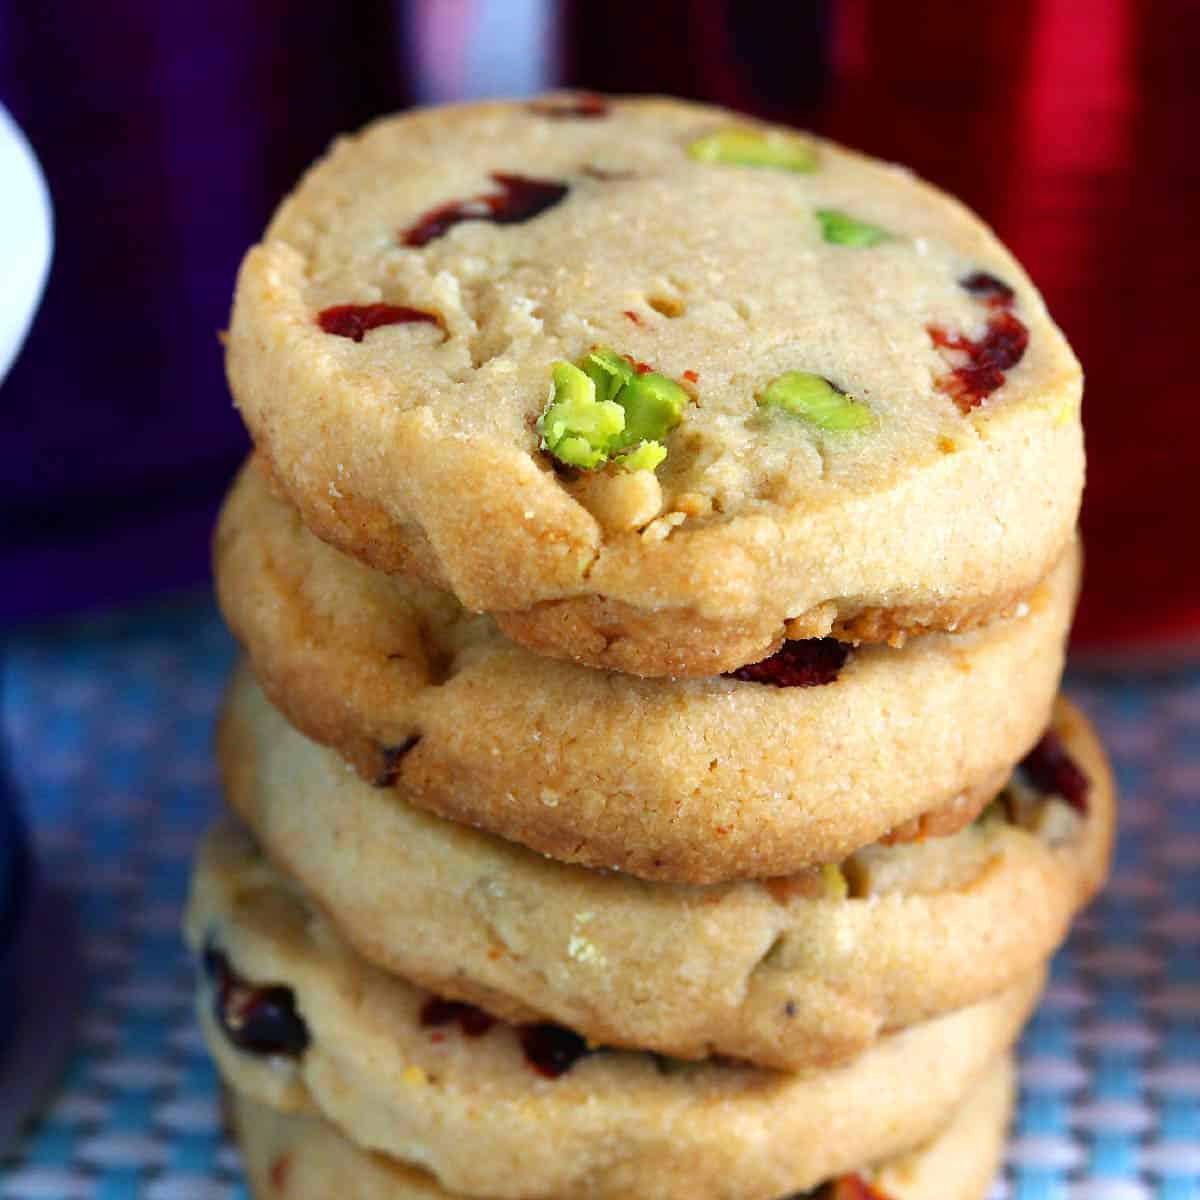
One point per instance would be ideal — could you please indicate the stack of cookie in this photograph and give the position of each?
(654, 574)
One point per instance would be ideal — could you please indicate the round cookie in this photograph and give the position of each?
(296, 1020)
(688, 781)
(871, 425)
(304, 1157)
(789, 972)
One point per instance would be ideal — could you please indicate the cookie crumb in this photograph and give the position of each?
(583, 951)
(660, 529)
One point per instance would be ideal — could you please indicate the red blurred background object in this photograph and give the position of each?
(1072, 129)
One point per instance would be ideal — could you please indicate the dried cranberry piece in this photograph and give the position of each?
(519, 199)
(474, 1022)
(985, 287)
(586, 105)
(1001, 347)
(522, 199)
(257, 1019)
(848, 1187)
(1051, 769)
(355, 321)
(551, 1050)
(808, 662)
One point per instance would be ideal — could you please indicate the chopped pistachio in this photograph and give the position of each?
(605, 411)
(806, 395)
(834, 883)
(653, 406)
(608, 371)
(576, 428)
(744, 146)
(844, 230)
(645, 457)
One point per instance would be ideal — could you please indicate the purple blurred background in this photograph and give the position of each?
(168, 133)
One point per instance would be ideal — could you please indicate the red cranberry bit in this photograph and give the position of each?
(848, 1187)
(1051, 769)
(993, 292)
(355, 321)
(586, 105)
(809, 662)
(1001, 348)
(691, 376)
(474, 1022)
(257, 1019)
(522, 199)
(550, 1049)
(519, 199)
(628, 312)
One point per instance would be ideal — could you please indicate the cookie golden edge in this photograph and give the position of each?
(304, 1157)
(699, 601)
(783, 972)
(669, 781)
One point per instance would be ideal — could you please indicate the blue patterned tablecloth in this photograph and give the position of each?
(109, 725)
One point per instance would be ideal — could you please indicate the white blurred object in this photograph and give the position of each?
(476, 49)
(26, 238)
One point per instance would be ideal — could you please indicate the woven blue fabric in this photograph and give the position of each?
(109, 725)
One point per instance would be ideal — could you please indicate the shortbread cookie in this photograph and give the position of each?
(658, 387)
(298, 1021)
(791, 972)
(689, 781)
(304, 1157)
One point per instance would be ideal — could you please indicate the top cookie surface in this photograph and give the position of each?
(413, 444)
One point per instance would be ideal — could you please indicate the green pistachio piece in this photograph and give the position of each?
(806, 395)
(844, 230)
(653, 406)
(645, 457)
(575, 427)
(744, 146)
(605, 411)
(608, 371)
(833, 882)
(577, 452)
